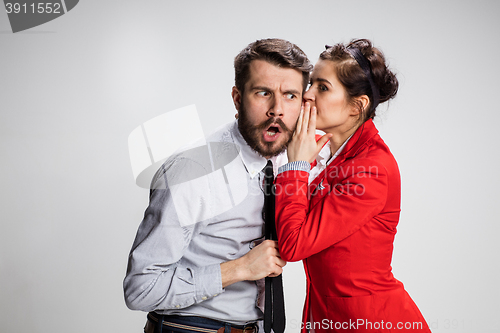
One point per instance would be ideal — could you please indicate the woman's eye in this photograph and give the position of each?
(322, 87)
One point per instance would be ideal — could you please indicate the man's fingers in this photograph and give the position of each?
(281, 262)
(276, 272)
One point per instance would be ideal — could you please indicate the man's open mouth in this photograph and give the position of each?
(273, 130)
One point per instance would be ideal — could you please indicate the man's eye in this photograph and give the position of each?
(290, 96)
(263, 93)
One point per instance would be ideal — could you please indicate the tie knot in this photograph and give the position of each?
(268, 170)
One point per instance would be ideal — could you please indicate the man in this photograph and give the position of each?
(197, 262)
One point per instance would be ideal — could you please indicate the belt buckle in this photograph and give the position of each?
(250, 328)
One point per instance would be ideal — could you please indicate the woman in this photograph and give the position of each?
(340, 217)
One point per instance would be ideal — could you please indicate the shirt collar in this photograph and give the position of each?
(253, 161)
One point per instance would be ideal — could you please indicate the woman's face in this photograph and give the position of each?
(328, 95)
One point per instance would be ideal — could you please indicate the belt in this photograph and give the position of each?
(184, 323)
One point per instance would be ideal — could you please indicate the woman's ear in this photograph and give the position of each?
(361, 105)
(365, 101)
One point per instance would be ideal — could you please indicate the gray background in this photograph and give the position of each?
(73, 89)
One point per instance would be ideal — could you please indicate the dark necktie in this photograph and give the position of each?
(274, 306)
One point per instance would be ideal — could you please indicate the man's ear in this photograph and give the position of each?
(235, 93)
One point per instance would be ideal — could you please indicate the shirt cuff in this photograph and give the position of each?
(208, 282)
(295, 165)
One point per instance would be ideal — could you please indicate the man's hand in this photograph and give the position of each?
(263, 260)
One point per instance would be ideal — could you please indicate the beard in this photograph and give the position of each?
(252, 133)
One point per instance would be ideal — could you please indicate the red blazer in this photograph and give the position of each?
(342, 226)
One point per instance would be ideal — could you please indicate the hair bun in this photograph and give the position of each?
(354, 79)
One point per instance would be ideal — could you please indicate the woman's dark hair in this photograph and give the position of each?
(276, 51)
(350, 72)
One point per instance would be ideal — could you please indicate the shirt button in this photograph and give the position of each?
(216, 295)
(204, 298)
(177, 306)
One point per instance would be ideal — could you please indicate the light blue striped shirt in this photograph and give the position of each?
(205, 208)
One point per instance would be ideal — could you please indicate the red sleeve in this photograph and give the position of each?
(358, 194)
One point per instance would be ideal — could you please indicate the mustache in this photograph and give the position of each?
(274, 120)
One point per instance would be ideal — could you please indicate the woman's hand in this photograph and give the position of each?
(303, 146)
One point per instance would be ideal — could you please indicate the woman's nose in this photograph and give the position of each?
(308, 95)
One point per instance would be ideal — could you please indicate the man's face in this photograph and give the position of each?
(269, 106)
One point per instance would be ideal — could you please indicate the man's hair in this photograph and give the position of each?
(277, 52)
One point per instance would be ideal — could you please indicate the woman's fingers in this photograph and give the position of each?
(312, 121)
(303, 146)
(305, 118)
(321, 142)
(299, 121)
